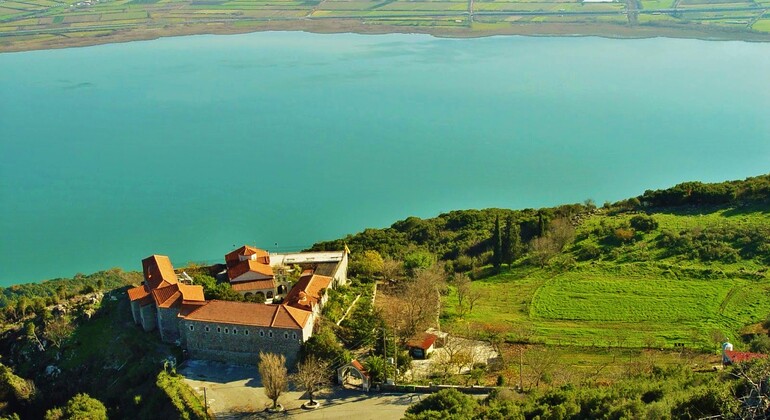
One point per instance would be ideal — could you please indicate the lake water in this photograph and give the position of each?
(191, 146)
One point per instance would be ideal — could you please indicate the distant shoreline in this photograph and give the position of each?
(333, 26)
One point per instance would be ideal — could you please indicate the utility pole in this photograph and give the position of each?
(205, 404)
(395, 360)
(521, 368)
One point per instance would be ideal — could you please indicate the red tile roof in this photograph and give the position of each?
(240, 268)
(356, 364)
(244, 313)
(158, 271)
(422, 341)
(308, 290)
(743, 356)
(166, 297)
(234, 257)
(136, 293)
(245, 286)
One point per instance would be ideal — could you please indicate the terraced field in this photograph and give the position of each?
(642, 299)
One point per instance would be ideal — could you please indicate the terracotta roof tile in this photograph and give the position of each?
(234, 257)
(246, 266)
(245, 286)
(422, 341)
(158, 269)
(356, 364)
(307, 292)
(166, 297)
(244, 313)
(192, 293)
(136, 293)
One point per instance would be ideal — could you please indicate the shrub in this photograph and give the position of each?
(644, 223)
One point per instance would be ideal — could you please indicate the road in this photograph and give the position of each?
(234, 392)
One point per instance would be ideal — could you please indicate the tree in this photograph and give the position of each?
(57, 330)
(447, 404)
(80, 407)
(377, 367)
(541, 250)
(511, 242)
(497, 245)
(367, 264)
(275, 379)
(312, 375)
(417, 305)
(462, 285)
(418, 260)
(392, 270)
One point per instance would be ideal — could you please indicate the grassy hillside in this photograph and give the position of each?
(669, 268)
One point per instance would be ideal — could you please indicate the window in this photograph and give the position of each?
(261, 333)
(270, 294)
(235, 331)
(191, 328)
(227, 331)
(219, 329)
(294, 336)
(246, 332)
(270, 334)
(286, 335)
(208, 329)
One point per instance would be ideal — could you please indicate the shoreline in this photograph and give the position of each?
(336, 26)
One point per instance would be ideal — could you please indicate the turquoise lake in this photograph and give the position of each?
(190, 146)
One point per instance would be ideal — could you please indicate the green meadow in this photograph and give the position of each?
(633, 295)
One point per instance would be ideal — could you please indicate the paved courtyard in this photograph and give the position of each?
(234, 392)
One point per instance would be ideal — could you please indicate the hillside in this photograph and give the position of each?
(683, 266)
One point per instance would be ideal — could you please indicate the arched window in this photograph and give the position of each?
(235, 331)
(270, 334)
(208, 329)
(246, 332)
(261, 333)
(227, 331)
(270, 294)
(219, 329)
(286, 335)
(294, 336)
(191, 328)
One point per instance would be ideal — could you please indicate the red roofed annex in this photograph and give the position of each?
(236, 332)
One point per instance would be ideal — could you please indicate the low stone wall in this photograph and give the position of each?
(429, 389)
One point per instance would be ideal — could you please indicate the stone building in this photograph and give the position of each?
(251, 273)
(234, 332)
(160, 299)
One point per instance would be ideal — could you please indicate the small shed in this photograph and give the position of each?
(422, 345)
(354, 375)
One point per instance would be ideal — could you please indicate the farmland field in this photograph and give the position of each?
(643, 298)
(38, 24)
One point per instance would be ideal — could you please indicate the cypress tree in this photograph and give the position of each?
(507, 243)
(497, 245)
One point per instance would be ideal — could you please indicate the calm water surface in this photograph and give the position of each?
(189, 146)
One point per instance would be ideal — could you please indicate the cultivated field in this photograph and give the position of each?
(35, 24)
(642, 298)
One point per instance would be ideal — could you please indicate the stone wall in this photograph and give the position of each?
(135, 312)
(168, 324)
(239, 344)
(148, 316)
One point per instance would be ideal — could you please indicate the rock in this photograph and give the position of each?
(52, 371)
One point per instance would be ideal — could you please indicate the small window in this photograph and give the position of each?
(261, 333)
(270, 334)
(208, 329)
(235, 331)
(286, 335)
(219, 329)
(227, 331)
(191, 328)
(294, 336)
(246, 332)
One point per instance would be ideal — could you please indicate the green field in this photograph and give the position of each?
(34, 24)
(637, 297)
